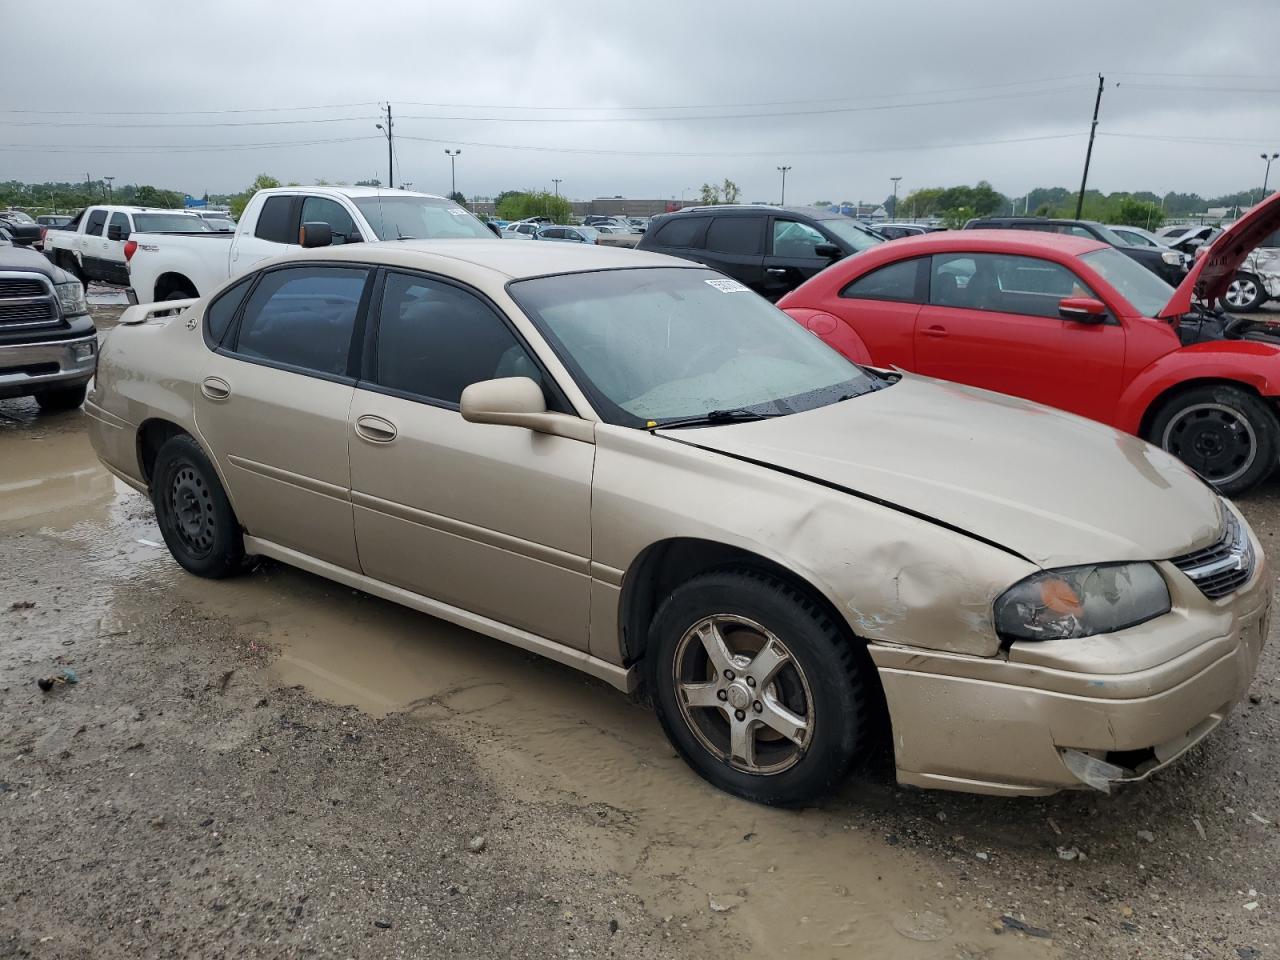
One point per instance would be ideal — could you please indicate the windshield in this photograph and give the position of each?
(1142, 288)
(168, 223)
(851, 233)
(663, 344)
(420, 218)
(19, 216)
(222, 226)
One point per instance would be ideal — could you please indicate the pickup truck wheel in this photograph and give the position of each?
(195, 516)
(1226, 434)
(757, 688)
(67, 398)
(1244, 295)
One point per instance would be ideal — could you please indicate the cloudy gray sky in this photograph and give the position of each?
(648, 99)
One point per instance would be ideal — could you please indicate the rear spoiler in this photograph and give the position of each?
(145, 312)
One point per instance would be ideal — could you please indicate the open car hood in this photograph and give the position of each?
(1211, 273)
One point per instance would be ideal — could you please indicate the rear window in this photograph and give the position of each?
(681, 232)
(740, 235)
(274, 223)
(168, 223)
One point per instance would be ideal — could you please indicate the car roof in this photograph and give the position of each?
(815, 213)
(988, 241)
(496, 261)
(352, 192)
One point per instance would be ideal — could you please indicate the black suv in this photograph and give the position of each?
(772, 250)
(1169, 265)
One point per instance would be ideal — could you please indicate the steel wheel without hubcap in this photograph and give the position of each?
(192, 511)
(743, 694)
(1213, 439)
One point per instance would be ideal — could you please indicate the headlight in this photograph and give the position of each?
(1074, 602)
(71, 298)
(1171, 256)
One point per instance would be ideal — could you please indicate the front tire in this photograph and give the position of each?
(1226, 434)
(1244, 295)
(195, 516)
(757, 688)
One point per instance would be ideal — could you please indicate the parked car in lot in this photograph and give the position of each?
(1070, 322)
(48, 344)
(896, 231)
(175, 268)
(1187, 238)
(22, 230)
(770, 250)
(1258, 279)
(93, 245)
(611, 235)
(520, 230)
(54, 220)
(1169, 265)
(220, 224)
(1137, 237)
(634, 466)
(562, 233)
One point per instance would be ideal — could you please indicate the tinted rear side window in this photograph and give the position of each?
(303, 317)
(897, 281)
(96, 219)
(274, 222)
(217, 319)
(740, 235)
(682, 232)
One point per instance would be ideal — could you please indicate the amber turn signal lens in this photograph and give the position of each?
(1060, 597)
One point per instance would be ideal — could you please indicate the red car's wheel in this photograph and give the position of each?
(1226, 434)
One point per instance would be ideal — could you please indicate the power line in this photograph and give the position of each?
(197, 113)
(1188, 89)
(178, 126)
(126, 149)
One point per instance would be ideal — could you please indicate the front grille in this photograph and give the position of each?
(1224, 567)
(21, 287)
(27, 314)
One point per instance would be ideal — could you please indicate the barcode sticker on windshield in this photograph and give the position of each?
(726, 286)
(457, 211)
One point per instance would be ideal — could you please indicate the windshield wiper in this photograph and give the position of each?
(711, 417)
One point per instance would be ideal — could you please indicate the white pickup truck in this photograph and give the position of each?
(163, 267)
(92, 246)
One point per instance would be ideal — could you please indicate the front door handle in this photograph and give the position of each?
(215, 388)
(935, 331)
(375, 429)
(776, 271)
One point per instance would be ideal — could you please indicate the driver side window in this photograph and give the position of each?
(794, 239)
(325, 210)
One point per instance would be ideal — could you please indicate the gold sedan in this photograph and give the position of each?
(634, 466)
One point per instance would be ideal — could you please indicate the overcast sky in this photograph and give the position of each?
(848, 93)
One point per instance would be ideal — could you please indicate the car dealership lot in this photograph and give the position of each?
(277, 763)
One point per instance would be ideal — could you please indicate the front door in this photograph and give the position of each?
(992, 321)
(273, 403)
(792, 258)
(494, 520)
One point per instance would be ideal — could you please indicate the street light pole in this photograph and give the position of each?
(895, 180)
(782, 201)
(453, 179)
(557, 182)
(1267, 177)
(108, 181)
(386, 130)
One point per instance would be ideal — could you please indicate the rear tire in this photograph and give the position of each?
(194, 514)
(1244, 295)
(66, 398)
(1228, 435)
(785, 714)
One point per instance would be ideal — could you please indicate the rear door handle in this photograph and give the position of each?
(776, 271)
(934, 331)
(375, 429)
(215, 388)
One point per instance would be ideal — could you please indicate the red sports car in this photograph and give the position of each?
(1075, 324)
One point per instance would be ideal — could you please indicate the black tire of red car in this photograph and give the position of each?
(64, 398)
(1245, 294)
(825, 681)
(195, 517)
(1229, 435)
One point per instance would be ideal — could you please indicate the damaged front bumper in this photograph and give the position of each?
(1059, 719)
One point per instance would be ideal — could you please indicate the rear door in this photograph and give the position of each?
(790, 259)
(273, 402)
(735, 246)
(275, 232)
(992, 321)
(881, 308)
(93, 245)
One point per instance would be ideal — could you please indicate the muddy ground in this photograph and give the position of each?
(278, 766)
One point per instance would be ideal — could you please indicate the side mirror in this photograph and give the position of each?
(519, 402)
(828, 250)
(117, 232)
(1082, 310)
(315, 233)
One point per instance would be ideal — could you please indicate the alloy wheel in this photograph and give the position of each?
(743, 694)
(1242, 293)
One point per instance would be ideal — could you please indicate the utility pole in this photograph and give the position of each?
(1088, 154)
(782, 202)
(391, 170)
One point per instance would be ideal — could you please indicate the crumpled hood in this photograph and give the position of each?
(1214, 270)
(1053, 487)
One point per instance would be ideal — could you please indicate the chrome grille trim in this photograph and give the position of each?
(1224, 567)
